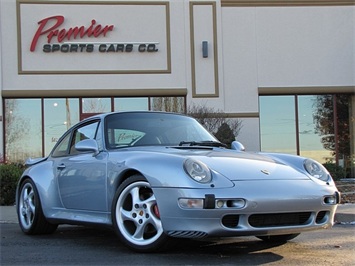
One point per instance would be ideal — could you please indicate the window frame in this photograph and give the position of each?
(71, 143)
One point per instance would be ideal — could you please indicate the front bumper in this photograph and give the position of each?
(270, 208)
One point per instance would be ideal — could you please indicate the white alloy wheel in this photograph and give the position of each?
(136, 215)
(27, 206)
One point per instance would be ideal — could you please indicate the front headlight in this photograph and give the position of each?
(198, 171)
(316, 170)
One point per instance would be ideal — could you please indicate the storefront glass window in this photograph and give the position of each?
(131, 104)
(59, 115)
(23, 129)
(168, 104)
(96, 105)
(312, 139)
(325, 126)
(277, 124)
(26, 136)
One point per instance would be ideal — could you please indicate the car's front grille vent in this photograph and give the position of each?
(279, 219)
(320, 217)
(230, 221)
(187, 234)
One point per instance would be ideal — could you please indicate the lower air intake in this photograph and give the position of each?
(230, 221)
(321, 217)
(279, 219)
(187, 234)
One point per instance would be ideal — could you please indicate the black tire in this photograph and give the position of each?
(278, 238)
(29, 211)
(135, 216)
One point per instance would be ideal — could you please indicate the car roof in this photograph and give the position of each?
(103, 115)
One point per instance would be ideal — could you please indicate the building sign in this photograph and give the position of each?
(50, 28)
(93, 37)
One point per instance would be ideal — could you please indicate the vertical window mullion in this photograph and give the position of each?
(112, 104)
(297, 126)
(335, 117)
(42, 123)
(80, 108)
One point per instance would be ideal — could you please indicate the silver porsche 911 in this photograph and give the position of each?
(155, 176)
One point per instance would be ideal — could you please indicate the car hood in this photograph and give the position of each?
(236, 165)
(249, 166)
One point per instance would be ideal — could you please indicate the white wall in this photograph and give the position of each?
(240, 60)
(286, 47)
(306, 46)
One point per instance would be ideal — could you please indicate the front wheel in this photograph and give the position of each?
(29, 211)
(278, 238)
(135, 216)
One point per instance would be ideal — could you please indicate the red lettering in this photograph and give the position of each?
(97, 30)
(63, 33)
(75, 32)
(89, 30)
(40, 31)
(51, 35)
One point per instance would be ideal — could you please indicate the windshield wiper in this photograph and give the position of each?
(209, 143)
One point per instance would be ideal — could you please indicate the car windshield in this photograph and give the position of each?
(154, 128)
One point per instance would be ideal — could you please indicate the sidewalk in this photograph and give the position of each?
(345, 214)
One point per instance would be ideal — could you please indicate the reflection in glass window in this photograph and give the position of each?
(131, 104)
(335, 126)
(325, 128)
(277, 124)
(59, 116)
(23, 129)
(311, 139)
(346, 135)
(96, 105)
(24, 135)
(168, 104)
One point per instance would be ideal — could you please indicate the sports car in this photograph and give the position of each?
(156, 176)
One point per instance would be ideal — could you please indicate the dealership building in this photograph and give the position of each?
(284, 69)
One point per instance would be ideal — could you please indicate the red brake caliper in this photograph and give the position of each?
(156, 211)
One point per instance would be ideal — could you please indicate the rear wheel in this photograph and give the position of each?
(29, 211)
(136, 216)
(278, 238)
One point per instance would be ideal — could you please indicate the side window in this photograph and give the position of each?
(87, 131)
(62, 148)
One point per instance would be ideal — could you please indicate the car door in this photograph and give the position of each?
(81, 176)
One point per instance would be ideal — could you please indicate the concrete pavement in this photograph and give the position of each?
(345, 214)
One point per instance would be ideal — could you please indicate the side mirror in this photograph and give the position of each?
(87, 145)
(236, 145)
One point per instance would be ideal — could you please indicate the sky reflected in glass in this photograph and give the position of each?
(277, 124)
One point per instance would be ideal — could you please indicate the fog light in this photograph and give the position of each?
(191, 203)
(331, 200)
(219, 203)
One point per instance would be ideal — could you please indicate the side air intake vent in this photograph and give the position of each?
(187, 234)
(230, 221)
(321, 217)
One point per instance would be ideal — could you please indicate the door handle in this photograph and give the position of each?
(61, 166)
